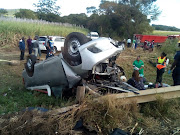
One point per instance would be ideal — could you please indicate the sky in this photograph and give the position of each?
(169, 8)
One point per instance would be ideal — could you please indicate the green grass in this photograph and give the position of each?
(165, 33)
(11, 31)
(14, 97)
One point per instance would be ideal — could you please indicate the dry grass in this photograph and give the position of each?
(101, 117)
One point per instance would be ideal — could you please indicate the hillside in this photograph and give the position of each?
(11, 12)
(165, 28)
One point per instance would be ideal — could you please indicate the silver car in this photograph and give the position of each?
(80, 59)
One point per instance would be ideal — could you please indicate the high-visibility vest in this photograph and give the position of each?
(161, 61)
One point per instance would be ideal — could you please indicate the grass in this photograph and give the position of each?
(163, 33)
(14, 97)
(127, 57)
(12, 30)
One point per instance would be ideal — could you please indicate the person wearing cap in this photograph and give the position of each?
(176, 68)
(161, 65)
(138, 64)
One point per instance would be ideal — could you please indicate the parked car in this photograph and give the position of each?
(93, 35)
(80, 59)
(42, 40)
(58, 42)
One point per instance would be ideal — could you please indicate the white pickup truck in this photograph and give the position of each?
(93, 35)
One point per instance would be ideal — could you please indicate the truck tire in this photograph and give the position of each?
(31, 60)
(71, 53)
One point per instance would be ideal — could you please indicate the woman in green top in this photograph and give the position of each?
(139, 65)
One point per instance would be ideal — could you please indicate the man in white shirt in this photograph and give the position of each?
(129, 42)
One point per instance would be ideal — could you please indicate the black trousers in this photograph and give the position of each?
(22, 55)
(128, 45)
(176, 76)
(159, 75)
(30, 50)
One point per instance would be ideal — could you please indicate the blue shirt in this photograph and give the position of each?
(177, 58)
(22, 44)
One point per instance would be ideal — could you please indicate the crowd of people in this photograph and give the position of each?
(146, 45)
(33, 47)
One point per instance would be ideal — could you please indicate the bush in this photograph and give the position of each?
(170, 46)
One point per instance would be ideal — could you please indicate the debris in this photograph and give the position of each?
(80, 93)
(14, 62)
(132, 130)
(92, 92)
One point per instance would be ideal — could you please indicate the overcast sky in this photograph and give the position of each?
(169, 16)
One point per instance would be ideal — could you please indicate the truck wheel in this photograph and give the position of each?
(71, 53)
(31, 60)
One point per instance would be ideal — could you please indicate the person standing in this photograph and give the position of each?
(35, 45)
(22, 48)
(151, 46)
(133, 45)
(145, 45)
(129, 42)
(138, 64)
(136, 43)
(29, 45)
(161, 65)
(176, 67)
(46, 41)
(50, 48)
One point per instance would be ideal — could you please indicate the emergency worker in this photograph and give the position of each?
(176, 67)
(161, 64)
(138, 64)
(50, 48)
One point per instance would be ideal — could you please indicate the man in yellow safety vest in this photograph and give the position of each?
(161, 64)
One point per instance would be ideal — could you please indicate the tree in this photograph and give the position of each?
(3, 11)
(50, 17)
(91, 10)
(146, 7)
(78, 19)
(47, 6)
(122, 18)
(26, 13)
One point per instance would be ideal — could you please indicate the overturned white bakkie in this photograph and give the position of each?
(80, 59)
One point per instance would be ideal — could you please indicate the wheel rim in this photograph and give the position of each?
(73, 47)
(29, 64)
